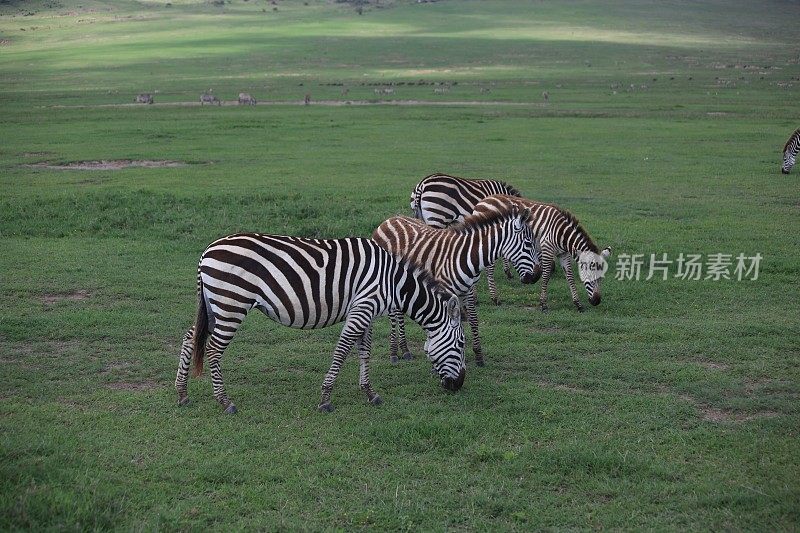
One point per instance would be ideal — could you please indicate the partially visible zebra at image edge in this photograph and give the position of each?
(441, 199)
(314, 283)
(790, 151)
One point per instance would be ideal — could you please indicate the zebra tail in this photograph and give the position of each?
(200, 333)
(417, 205)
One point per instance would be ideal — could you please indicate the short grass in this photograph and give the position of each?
(672, 405)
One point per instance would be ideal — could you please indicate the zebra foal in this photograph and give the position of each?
(456, 255)
(790, 151)
(440, 200)
(309, 284)
(561, 236)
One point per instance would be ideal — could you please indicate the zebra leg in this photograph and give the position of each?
(492, 285)
(547, 270)
(214, 350)
(397, 338)
(507, 268)
(364, 350)
(472, 317)
(355, 327)
(566, 264)
(183, 367)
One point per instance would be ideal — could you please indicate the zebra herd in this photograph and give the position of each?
(423, 267)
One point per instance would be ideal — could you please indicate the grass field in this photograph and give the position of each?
(672, 405)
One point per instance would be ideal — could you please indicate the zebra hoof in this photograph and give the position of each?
(480, 362)
(580, 308)
(408, 356)
(230, 410)
(394, 359)
(376, 400)
(325, 407)
(544, 309)
(183, 401)
(496, 302)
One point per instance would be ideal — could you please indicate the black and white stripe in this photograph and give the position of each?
(309, 284)
(790, 151)
(560, 236)
(456, 255)
(440, 200)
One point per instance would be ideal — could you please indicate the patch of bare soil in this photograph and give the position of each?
(562, 387)
(50, 298)
(133, 385)
(111, 164)
(711, 365)
(714, 414)
(5, 42)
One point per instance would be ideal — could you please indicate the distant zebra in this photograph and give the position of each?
(441, 199)
(313, 283)
(790, 151)
(206, 98)
(143, 98)
(560, 235)
(245, 98)
(456, 255)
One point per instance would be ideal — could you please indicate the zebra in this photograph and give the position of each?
(314, 283)
(245, 98)
(143, 98)
(456, 255)
(790, 151)
(560, 235)
(441, 199)
(206, 98)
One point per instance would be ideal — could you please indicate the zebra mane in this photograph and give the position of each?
(478, 221)
(512, 191)
(792, 137)
(421, 273)
(573, 220)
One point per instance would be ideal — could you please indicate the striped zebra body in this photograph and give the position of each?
(560, 236)
(790, 151)
(441, 200)
(456, 255)
(309, 284)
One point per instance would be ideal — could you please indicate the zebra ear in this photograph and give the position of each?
(454, 310)
(606, 253)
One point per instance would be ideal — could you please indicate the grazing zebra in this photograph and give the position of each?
(313, 283)
(143, 98)
(790, 151)
(206, 98)
(456, 255)
(440, 200)
(245, 98)
(560, 235)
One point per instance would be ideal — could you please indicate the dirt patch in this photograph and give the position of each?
(5, 42)
(110, 164)
(133, 386)
(561, 387)
(711, 365)
(713, 414)
(75, 296)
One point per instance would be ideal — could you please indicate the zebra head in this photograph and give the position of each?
(522, 248)
(445, 345)
(592, 268)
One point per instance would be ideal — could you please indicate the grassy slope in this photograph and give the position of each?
(580, 420)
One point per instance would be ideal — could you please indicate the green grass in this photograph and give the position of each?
(672, 405)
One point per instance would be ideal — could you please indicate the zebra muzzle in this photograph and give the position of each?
(454, 384)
